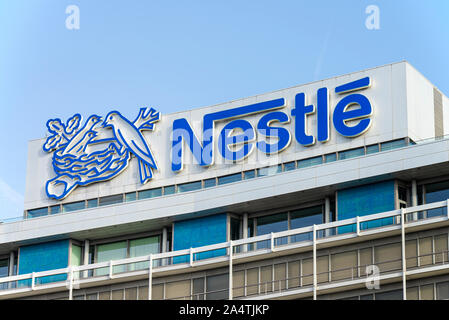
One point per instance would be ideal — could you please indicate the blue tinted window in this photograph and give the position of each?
(131, 196)
(289, 166)
(393, 144)
(310, 162)
(210, 183)
(37, 212)
(104, 201)
(55, 209)
(351, 153)
(249, 174)
(152, 193)
(372, 149)
(189, 186)
(92, 203)
(169, 190)
(330, 157)
(272, 223)
(230, 178)
(437, 192)
(73, 206)
(306, 217)
(268, 171)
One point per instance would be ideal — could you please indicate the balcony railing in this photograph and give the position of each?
(229, 252)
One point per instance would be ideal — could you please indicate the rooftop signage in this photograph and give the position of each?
(100, 149)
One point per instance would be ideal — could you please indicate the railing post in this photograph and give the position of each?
(314, 262)
(191, 256)
(272, 241)
(357, 218)
(447, 208)
(404, 263)
(230, 270)
(110, 269)
(150, 278)
(70, 283)
(33, 277)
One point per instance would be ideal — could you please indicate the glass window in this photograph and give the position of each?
(131, 196)
(389, 295)
(169, 190)
(67, 207)
(393, 144)
(111, 251)
(372, 149)
(198, 289)
(289, 166)
(92, 203)
(437, 192)
(104, 201)
(330, 157)
(191, 186)
(235, 229)
(250, 227)
(367, 297)
(37, 212)
(249, 174)
(230, 178)
(152, 193)
(217, 287)
(210, 183)
(351, 153)
(4, 267)
(75, 256)
(269, 171)
(306, 217)
(272, 223)
(55, 209)
(143, 247)
(310, 162)
(443, 291)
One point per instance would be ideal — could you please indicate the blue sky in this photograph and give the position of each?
(179, 55)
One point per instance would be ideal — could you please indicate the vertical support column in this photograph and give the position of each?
(150, 277)
(230, 270)
(11, 264)
(86, 257)
(164, 245)
(404, 263)
(414, 199)
(245, 231)
(70, 283)
(314, 262)
(327, 214)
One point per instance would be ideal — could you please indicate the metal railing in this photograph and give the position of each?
(227, 251)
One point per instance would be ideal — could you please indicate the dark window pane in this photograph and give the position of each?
(235, 229)
(198, 289)
(443, 291)
(389, 295)
(146, 194)
(230, 178)
(310, 162)
(169, 190)
(191, 186)
(351, 153)
(210, 183)
(272, 223)
(250, 228)
(37, 212)
(217, 287)
(4, 267)
(55, 209)
(367, 297)
(306, 217)
(104, 201)
(437, 192)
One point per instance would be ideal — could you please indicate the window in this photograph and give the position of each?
(111, 251)
(152, 193)
(210, 183)
(330, 157)
(67, 207)
(191, 186)
(351, 153)
(75, 255)
(443, 291)
(310, 162)
(249, 174)
(230, 178)
(37, 212)
(306, 217)
(92, 203)
(217, 287)
(55, 209)
(289, 166)
(235, 229)
(131, 196)
(372, 149)
(389, 295)
(393, 144)
(437, 192)
(104, 201)
(169, 190)
(143, 247)
(4, 267)
(269, 171)
(272, 223)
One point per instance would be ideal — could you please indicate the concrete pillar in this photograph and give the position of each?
(164, 239)
(414, 198)
(245, 226)
(327, 214)
(86, 252)
(11, 263)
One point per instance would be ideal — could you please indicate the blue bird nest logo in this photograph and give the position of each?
(85, 154)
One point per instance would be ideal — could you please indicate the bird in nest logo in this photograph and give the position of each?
(97, 150)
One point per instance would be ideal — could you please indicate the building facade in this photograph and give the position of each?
(335, 189)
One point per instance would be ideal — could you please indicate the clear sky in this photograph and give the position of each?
(179, 55)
